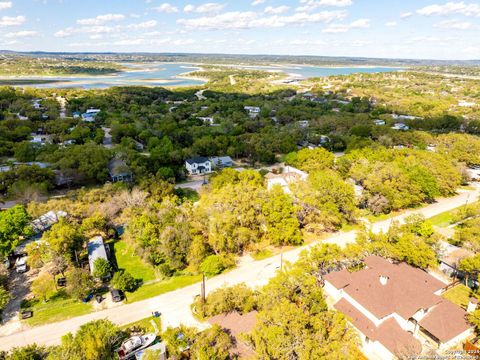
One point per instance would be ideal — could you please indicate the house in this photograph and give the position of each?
(21, 117)
(379, 122)
(404, 117)
(40, 139)
(207, 120)
(304, 124)
(252, 111)
(76, 114)
(451, 256)
(45, 222)
(221, 162)
(400, 126)
(236, 324)
(88, 117)
(464, 103)
(96, 250)
(119, 171)
(198, 165)
(396, 308)
(474, 172)
(289, 176)
(93, 111)
(36, 103)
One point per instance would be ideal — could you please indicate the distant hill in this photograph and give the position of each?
(242, 59)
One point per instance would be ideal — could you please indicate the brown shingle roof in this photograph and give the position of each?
(407, 290)
(237, 324)
(445, 321)
(389, 333)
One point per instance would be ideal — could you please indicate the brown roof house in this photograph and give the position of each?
(236, 324)
(397, 308)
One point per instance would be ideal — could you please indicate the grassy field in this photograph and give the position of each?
(132, 263)
(444, 219)
(145, 324)
(57, 310)
(157, 288)
(459, 295)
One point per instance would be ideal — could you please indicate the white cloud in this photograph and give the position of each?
(250, 19)
(406, 15)
(143, 25)
(12, 20)
(455, 25)
(451, 8)
(84, 30)
(101, 19)
(342, 28)
(391, 23)
(257, 2)
(20, 34)
(5, 5)
(310, 5)
(276, 10)
(302, 42)
(166, 8)
(189, 8)
(208, 8)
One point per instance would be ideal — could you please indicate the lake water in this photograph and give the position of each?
(166, 74)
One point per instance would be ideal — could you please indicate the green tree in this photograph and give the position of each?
(4, 297)
(43, 286)
(326, 201)
(101, 268)
(215, 264)
(63, 237)
(124, 281)
(14, 223)
(280, 215)
(311, 159)
(79, 283)
(213, 343)
(470, 265)
(95, 340)
(29, 352)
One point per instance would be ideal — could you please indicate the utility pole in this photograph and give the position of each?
(281, 260)
(202, 290)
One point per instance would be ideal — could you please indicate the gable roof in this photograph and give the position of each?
(445, 321)
(197, 160)
(407, 290)
(388, 333)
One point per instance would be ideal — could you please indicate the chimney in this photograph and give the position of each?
(383, 279)
(472, 305)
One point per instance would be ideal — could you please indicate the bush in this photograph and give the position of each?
(215, 264)
(124, 281)
(101, 268)
(227, 299)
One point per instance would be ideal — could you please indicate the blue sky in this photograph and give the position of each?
(370, 28)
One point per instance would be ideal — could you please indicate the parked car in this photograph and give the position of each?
(117, 295)
(25, 314)
(21, 265)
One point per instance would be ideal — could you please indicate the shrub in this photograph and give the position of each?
(215, 264)
(124, 281)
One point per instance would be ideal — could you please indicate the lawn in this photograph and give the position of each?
(145, 324)
(459, 294)
(443, 219)
(157, 288)
(57, 310)
(134, 264)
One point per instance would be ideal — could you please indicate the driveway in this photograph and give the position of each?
(175, 305)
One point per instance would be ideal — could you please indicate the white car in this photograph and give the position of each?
(21, 265)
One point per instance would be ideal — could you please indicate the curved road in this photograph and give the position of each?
(175, 305)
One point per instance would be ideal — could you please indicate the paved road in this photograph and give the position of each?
(175, 306)
(194, 185)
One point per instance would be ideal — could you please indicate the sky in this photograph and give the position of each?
(420, 29)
